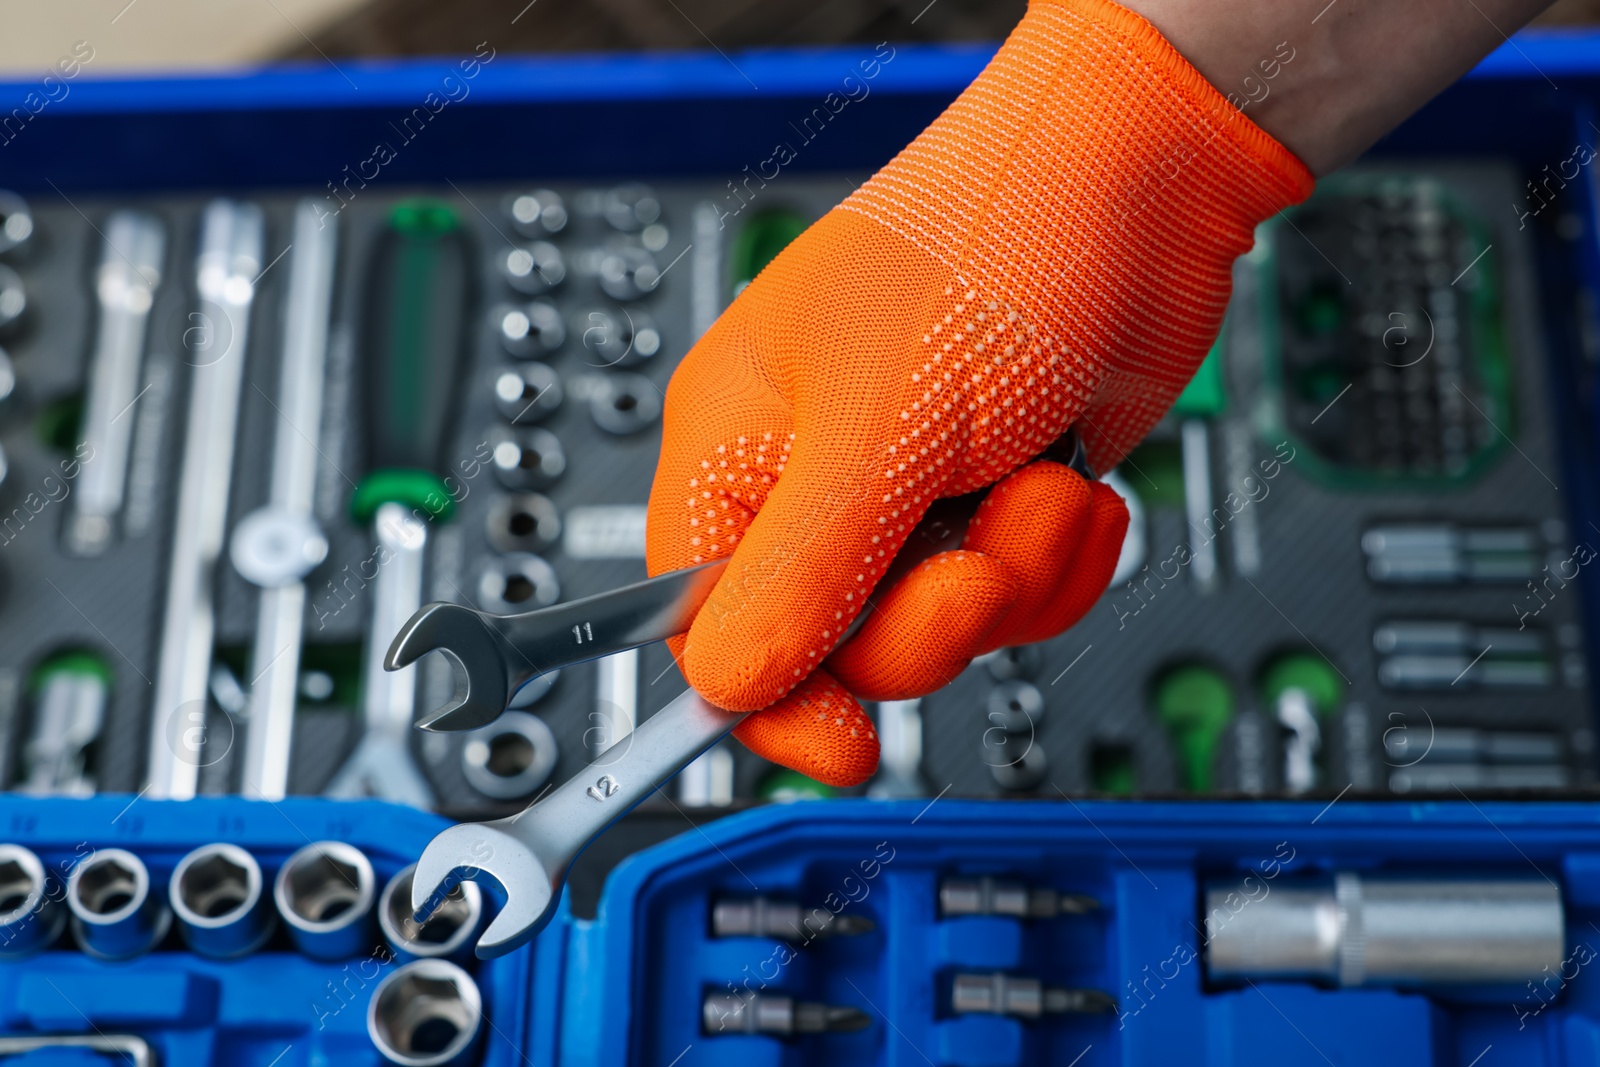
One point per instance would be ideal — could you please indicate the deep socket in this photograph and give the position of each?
(447, 933)
(324, 893)
(30, 920)
(115, 916)
(428, 1013)
(218, 895)
(1371, 930)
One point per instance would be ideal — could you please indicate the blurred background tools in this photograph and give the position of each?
(416, 322)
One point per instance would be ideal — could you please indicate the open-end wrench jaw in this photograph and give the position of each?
(528, 882)
(474, 648)
(495, 655)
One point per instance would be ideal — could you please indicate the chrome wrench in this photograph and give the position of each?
(381, 765)
(227, 269)
(495, 655)
(499, 654)
(276, 546)
(530, 853)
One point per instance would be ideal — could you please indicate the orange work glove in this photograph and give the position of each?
(1056, 249)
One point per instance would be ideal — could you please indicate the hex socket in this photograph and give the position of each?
(448, 931)
(115, 915)
(324, 892)
(533, 329)
(528, 458)
(517, 581)
(218, 894)
(625, 404)
(511, 757)
(522, 522)
(527, 393)
(30, 921)
(427, 1013)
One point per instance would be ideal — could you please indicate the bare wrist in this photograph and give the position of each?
(1328, 79)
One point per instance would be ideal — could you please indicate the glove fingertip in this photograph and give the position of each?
(819, 730)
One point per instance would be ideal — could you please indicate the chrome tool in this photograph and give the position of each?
(70, 695)
(276, 546)
(1353, 929)
(427, 1013)
(324, 893)
(530, 852)
(499, 654)
(219, 896)
(776, 1016)
(116, 914)
(783, 920)
(127, 1048)
(446, 934)
(125, 287)
(992, 896)
(226, 273)
(33, 921)
(1023, 998)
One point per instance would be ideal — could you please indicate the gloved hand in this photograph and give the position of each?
(1055, 250)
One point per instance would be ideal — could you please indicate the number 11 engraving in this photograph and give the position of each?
(582, 632)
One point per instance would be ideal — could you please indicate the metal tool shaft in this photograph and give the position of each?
(381, 765)
(1356, 929)
(130, 271)
(280, 618)
(229, 263)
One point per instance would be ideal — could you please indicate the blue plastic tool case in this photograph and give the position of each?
(625, 987)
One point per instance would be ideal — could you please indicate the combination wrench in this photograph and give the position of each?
(529, 853)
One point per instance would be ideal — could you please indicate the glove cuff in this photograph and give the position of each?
(1176, 89)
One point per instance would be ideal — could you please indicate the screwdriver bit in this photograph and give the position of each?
(990, 896)
(1025, 998)
(782, 920)
(779, 1016)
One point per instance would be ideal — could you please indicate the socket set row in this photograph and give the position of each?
(976, 933)
(218, 902)
(120, 926)
(427, 1009)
